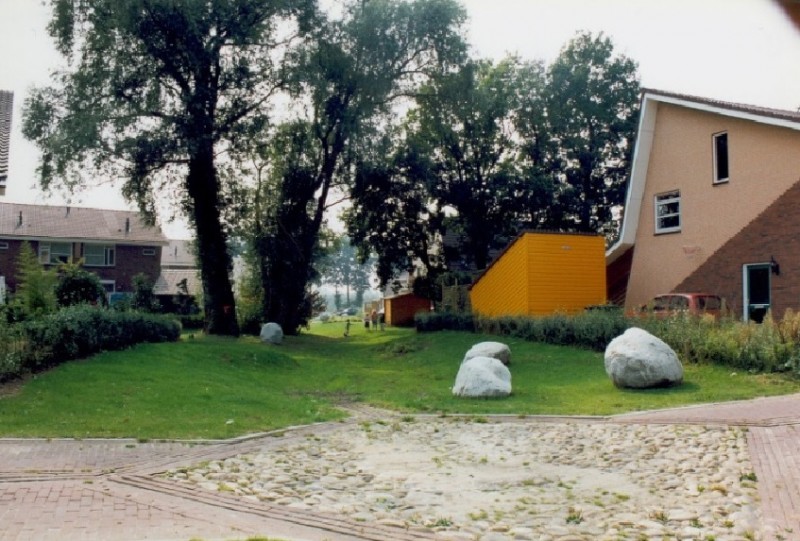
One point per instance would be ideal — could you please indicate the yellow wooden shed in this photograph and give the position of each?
(542, 273)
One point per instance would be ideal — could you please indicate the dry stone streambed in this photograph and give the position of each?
(498, 481)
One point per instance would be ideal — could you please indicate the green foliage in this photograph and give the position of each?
(35, 293)
(143, 297)
(78, 286)
(79, 331)
(772, 346)
(204, 381)
(443, 321)
(11, 345)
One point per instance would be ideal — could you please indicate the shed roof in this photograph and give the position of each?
(36, 222)
(168, 280)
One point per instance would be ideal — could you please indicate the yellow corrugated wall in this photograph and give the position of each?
(567, 273)
(503, 288)
(543, 274)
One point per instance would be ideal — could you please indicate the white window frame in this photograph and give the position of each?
(717, 179)
(109, 285)
(661, 200)
(108, 256)
(47, 256)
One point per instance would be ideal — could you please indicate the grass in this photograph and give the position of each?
(211, 387)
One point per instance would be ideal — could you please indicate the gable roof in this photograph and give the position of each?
(644, 144)
(75, 224)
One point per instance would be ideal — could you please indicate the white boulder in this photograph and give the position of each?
(639, 360)
(482, 377)
(271, 333)
(495, 350)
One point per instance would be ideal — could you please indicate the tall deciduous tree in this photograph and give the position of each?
(155, 91)
(592, 104)
(353, 70)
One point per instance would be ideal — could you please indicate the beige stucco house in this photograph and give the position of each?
(713, 205)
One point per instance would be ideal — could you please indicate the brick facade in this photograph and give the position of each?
(130, 260)
(775, 233)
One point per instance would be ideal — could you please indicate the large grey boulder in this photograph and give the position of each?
(482, 377)
(271, 333)
(495, 350)
(639, 360)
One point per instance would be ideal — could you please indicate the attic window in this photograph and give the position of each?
(720, 158)
(668, 212)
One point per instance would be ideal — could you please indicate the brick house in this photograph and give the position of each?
(115, 245)
(713, 205)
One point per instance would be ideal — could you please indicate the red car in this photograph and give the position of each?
(679, 303)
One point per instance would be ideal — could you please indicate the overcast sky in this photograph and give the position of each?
(744, 51)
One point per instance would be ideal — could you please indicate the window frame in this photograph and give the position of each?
(4, 245)
(663, 199)
(717, 178)
(148, 252)
(46, 253)
(109, 255)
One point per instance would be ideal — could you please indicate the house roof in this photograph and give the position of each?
(75, 224)
(168, 280)
(644, 144)
(178, 254)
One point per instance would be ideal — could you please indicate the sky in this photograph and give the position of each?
(744, 51)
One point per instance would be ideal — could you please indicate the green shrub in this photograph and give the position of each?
(78, 286)
(10, 351)
(443, 321)
(80, 331)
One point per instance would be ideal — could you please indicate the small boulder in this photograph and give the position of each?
(639, 360)
(482, 377)
(271, 333)
(495, 350)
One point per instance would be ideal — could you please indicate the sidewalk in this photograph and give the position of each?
(108, 490)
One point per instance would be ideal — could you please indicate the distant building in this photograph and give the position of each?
(180, 275)
(115, 245)
(6, 104)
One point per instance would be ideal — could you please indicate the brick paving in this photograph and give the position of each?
(109, 490)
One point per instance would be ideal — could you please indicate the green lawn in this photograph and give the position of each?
(208, 387)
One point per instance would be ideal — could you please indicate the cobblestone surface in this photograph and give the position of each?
(120, 490)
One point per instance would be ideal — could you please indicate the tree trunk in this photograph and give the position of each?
(212, 252)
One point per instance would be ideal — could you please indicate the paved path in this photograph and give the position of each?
(108, 490)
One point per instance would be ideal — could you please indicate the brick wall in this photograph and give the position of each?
(775, 233)
(129, 260)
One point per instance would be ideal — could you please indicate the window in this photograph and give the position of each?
(98, 255)
(53, 253)
(3, 245)
(148, 251)
(720, 158)
(668, 212)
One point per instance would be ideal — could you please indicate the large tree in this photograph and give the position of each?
(155, 91)
(591, 101)
(352, 72)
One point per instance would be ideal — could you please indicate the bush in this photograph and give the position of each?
(80, 331)
(772, 346)
(443, 321)
(78, 286)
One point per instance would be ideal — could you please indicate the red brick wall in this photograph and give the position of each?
(129, 262)
(774, 233)
(8, 262)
